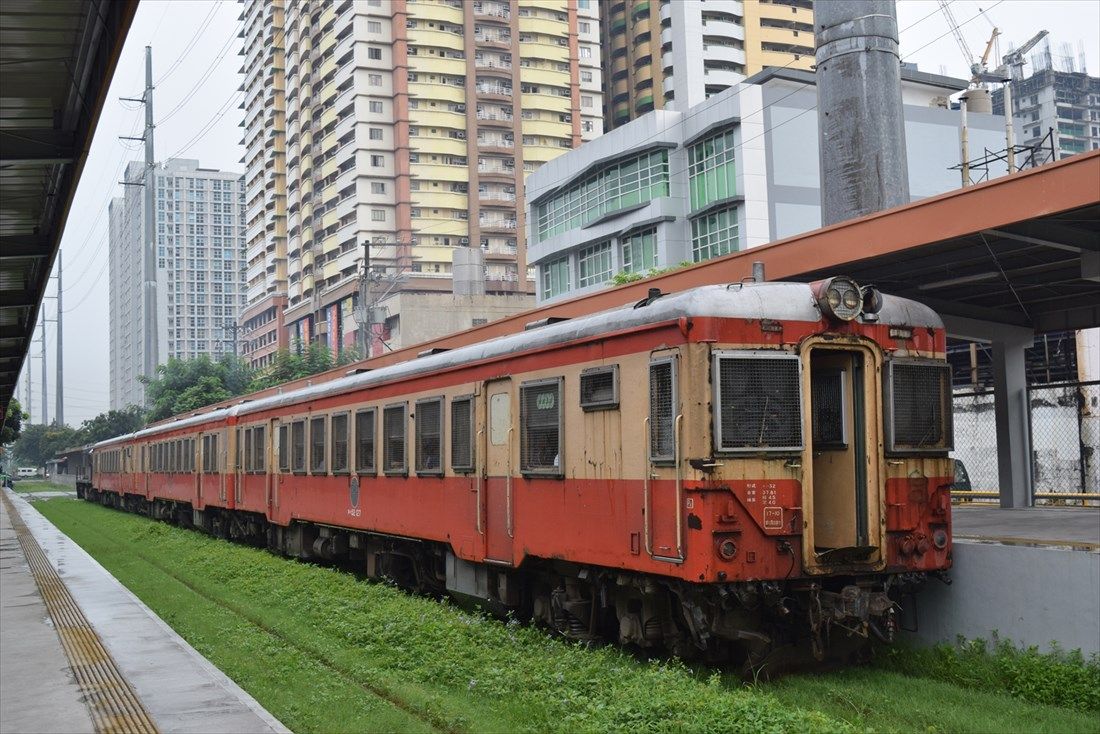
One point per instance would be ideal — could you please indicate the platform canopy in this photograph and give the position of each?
(57, 58)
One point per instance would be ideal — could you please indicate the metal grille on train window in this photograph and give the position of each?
(600, 388)
(827, 394)
(317, 446)
(393, 439)
(920, 408)
(429, 436)
(462, 433)
(662, 411)
(364, 442)
(259, 449)
(298, 446)
(759, 407)
(340, 443)
(540, 425)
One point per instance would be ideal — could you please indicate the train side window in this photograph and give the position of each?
(284, 448)
(298, 447)
(214, 464)
(462, 434)
(429, 436)
(317, 445)
(600, 388)
(662, 410)
(246, 452)
(394, 428)
(340, 443)
(828, 409)
(540, 420)
(174, 453)
(757, 402)
(364, 442)
(259, 449)
(917, 406)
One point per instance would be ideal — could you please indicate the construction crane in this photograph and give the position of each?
(1012, 67)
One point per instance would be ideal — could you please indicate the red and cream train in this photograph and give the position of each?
(729, 471)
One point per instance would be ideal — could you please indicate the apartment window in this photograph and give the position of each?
(584, 27)
(462, 434)
(377, 161)
(298, 447)
(378, 215)
(594, 265)
(639, 251)
(714, 234)
(377, 187)
(374, 26)
(622, 185)
(586, 101)
(376, 133)
(375, 107)
(364, 442)
(586, 52)
(393, 439)
(374, 80)
(340, 443)
(540, 427)
(555, 278)
(429, 436)
(711, 169)
(317, 445)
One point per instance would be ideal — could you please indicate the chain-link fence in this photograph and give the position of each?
(1065, 442)
(1064, 426)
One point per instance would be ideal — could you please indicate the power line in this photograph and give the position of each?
(194, 39)
(205, 75)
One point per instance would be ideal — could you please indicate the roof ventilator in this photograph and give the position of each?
(654, 294)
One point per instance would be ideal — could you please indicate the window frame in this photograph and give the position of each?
(716, 404)
(888, 408)
(346, 415)
(417, 435)
(259, 449)
(674, 373)
(468, 399)
(403, 471)
(372, 471)
(283, 454)
(613, 403)
(294, 468)
(551, 472)
(313, 469)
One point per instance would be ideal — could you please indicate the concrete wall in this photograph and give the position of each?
(1029, 595)
(414, 318)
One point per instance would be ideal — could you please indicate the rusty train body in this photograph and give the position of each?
(729, 472)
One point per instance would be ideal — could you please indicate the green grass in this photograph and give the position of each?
(40, 485)
(325, 652)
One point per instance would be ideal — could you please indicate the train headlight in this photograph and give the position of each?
(839, 298)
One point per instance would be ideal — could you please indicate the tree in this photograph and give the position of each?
(112, 423)
(186, 385)
(13, 422)
(38, 444)
(298, 363)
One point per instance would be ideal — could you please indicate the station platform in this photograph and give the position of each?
(80, 653)
(1072, 527)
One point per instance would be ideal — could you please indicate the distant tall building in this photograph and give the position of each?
(200, 270)
(261, 321)
(1068, 102)
(410, 126)
(674, 54)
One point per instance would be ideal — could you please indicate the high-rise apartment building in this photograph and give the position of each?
(409, 125)
(200, 270)
(1066, 101)
(261, 321)
(673, 54)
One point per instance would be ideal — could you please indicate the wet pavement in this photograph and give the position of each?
(181, 690)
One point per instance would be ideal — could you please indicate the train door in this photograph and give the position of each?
(498, 470)
(843, 445)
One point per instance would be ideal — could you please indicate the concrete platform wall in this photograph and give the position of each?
(1031, 595)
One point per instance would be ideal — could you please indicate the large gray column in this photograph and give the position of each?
(1012, 413)
(860, 122)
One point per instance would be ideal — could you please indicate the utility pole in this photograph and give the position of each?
(233, 328)
(149, 247)
(30, 372)
(59, 387)
(45, 404)
(367, 279)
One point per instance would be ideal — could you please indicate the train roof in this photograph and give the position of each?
(779, 301)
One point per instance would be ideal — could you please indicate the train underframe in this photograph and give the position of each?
(766, 627)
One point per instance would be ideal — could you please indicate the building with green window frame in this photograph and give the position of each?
(736, 171)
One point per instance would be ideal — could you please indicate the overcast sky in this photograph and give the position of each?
(195, 59)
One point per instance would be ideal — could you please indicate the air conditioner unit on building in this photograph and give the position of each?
(464, 240)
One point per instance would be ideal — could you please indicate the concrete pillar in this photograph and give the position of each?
(1012, 414)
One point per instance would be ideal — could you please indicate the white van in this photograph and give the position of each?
(26, 471)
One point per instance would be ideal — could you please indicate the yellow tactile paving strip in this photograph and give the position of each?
(114, 706)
